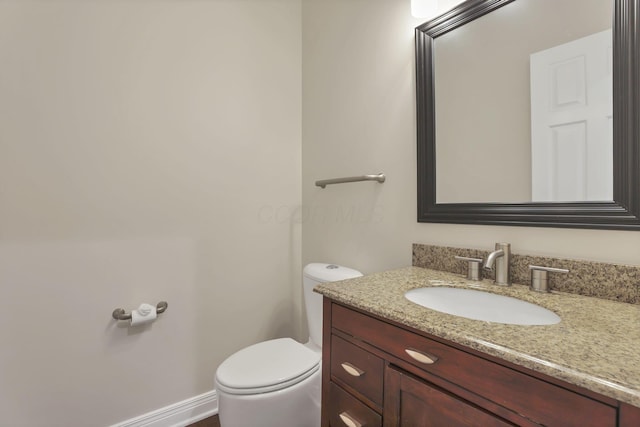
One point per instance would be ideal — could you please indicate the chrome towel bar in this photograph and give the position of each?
(379, 177)
(120, 314)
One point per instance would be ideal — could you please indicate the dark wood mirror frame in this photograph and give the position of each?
(622, 214)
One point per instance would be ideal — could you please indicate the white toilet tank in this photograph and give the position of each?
(312, 275)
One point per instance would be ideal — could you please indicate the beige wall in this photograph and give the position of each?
(151, 150)
(359, 117)
(144, 148)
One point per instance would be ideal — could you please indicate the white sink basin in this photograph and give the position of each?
(479, 305)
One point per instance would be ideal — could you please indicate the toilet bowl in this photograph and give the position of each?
(277, 383)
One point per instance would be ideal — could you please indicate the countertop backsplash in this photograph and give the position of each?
(594, 279)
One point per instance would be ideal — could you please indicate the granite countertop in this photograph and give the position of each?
(596, 345)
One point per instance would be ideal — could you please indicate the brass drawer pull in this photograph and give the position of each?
(421, 357)
(352, 370)
(348, 420)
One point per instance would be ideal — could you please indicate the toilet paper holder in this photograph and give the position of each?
(121, 314)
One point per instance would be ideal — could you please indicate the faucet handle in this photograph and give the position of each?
(473, 268)
(539, 277)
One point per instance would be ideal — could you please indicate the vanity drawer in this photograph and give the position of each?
(357, 368)
(512, 389)
(347, 411)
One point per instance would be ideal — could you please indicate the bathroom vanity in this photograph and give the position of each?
(388, 361)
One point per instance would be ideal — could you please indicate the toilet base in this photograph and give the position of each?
(294, 406)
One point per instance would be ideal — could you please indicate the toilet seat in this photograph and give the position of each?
(267, 366)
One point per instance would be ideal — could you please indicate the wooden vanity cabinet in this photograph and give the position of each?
(379, 373)
(412, 402)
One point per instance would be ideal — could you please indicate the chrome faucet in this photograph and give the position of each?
(501, 257)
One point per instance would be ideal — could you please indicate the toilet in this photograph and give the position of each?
(277, 383)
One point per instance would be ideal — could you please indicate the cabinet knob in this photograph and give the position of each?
(348, 420)
(352, 370)
(421, 357)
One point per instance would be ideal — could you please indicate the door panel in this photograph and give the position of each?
(571, 115)
(411, 402)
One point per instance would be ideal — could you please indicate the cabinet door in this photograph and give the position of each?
(409, 402)
(629, 416)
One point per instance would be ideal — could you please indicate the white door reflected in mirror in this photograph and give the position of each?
(572, 121)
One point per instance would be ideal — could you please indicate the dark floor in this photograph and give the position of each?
(207, 422)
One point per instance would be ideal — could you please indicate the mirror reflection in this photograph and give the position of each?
(523, 101)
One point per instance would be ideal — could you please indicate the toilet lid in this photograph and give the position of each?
(267, 366)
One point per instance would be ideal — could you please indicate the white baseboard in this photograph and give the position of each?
(178, 414)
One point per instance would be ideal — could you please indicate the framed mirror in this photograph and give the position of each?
(518, 124)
